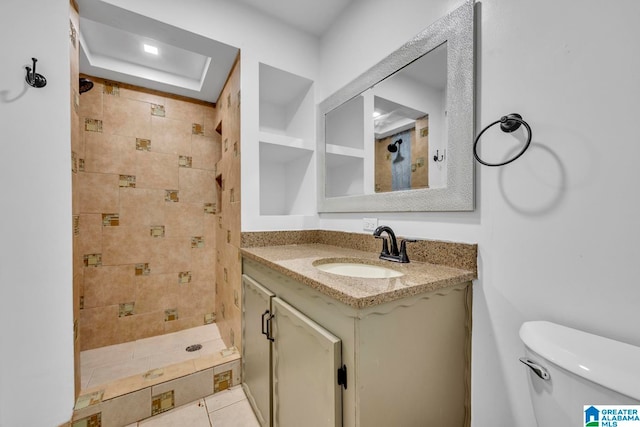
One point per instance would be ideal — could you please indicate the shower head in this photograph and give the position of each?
(85, 85)
(394, 146)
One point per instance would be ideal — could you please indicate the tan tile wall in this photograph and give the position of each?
(143, 194)
(419, 158)
(228, 267)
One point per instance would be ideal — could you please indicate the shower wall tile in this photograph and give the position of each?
(92, 125)
(145, 325)
(125, 245)
(196, 298)
(210, 208)
(108, 285)
(141, 206)
(184, 111)
(140, 94)
(209, 121)
(111, 88)
(127, 117)
(183, 323)
(185, 161)
(106, 153)
(127, 181)
(171, 315)
(183, 219)
(197, 129)
(170, 254)
(202, 262)
(143, 144)
(110, 220)
(205, 150)
(143, 269)
(98, 192)
(171, 196)
(157, 110)
(145, 169)
(93, 260)
(89, 233)
(156, 292)
(156, 170)
(91, 102)
(170, 136)
(196, 185)
(98, 327)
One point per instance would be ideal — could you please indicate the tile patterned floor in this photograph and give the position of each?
(228, 408)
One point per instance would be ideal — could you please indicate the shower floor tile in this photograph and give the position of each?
(103, 365)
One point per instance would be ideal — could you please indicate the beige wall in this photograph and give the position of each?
(144, 193)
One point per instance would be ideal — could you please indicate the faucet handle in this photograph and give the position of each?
(403, 249)
(385, 245)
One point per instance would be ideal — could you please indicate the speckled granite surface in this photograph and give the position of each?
(457, 255)
(297, 261)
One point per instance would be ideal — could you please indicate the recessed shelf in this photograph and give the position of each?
(286, 145)
(340, 150)
(286, 141)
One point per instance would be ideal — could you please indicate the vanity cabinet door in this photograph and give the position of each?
(256, 349)
(306, 359)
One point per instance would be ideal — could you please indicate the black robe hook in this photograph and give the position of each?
(34, 79)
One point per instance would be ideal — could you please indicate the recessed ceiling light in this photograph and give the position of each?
(376, 114)
(150, 49)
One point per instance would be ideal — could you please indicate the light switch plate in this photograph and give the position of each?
(369, 224)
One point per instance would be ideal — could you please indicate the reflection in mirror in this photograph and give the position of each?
(345, 148)
(409, 122)
(416, 153)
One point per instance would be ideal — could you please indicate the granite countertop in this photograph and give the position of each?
(296, 262)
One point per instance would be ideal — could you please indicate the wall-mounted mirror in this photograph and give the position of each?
(399, 137)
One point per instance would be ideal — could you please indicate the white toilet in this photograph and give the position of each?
(570, 368)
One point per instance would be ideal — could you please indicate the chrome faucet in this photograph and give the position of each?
(394, 255)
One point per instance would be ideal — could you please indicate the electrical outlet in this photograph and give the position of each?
(369, 224)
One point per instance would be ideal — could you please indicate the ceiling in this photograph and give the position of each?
(311, 16)
(112, 45)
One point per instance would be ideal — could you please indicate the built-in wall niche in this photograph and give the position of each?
(287, 143)
(285, 179)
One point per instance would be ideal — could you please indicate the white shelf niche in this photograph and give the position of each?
(287, 178)
(287, 144)
(286, 103)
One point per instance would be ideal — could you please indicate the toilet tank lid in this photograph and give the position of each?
(612, 364)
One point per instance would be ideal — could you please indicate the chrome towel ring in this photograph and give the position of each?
(508, 123)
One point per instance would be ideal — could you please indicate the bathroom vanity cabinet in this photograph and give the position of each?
(404, 362)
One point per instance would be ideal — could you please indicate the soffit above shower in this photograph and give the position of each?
(112, 47)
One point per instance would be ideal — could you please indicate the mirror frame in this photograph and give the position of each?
(457, 30)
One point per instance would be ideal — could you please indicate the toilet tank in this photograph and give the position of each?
(580, 369)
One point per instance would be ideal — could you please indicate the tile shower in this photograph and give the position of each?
(145, 224)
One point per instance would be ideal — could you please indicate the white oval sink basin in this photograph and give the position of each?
(356, 269)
